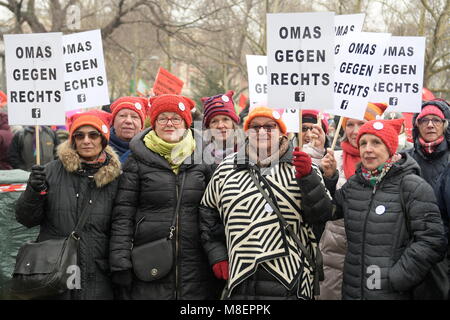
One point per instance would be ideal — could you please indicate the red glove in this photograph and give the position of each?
(220, 270)
(302, 162)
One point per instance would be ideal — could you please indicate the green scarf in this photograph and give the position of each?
(174, 153)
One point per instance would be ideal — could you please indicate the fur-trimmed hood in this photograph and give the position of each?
(106, 174)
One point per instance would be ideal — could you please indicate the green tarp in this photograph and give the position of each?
(12, 233)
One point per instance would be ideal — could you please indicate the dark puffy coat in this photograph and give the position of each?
(146, 204)
(377, 239)
(57, 213)
(5, 140)
(21, 151)
(432, 165)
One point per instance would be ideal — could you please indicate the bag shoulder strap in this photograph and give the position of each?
(284, 223)
(177, 207)
(405, 214)
(83, 216)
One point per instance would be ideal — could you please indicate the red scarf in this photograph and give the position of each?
(430, 147)
(351, 158)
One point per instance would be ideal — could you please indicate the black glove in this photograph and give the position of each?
(123, 278)
(37, 178)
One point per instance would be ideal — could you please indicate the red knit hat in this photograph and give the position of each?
(221, 104)
(267, 113)
(387, 130)
(99, 119)
(373, 110)
(136, 104)
(171, 103)
(430, 109)
(310, 116)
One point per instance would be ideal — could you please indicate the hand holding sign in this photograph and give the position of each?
(328, 164)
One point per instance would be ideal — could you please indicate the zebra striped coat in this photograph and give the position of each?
(238, 224)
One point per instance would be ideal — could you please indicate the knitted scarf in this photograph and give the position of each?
(430, 147)
(92, 166)
(273, 158)
(118, 144)
(174, 153)
(350, 157)
(376, 175)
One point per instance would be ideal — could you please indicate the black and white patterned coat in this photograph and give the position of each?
(238, 224)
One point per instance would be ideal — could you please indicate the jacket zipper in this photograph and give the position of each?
(364, 242)
(176, 243)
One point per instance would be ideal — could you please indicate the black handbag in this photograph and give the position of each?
(154, 260)
(41, 268)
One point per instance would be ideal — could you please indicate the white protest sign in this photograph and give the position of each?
(257, 80)
(401, 72)
(84, 71)
(343, 26)
(357, 63)
(35, 79)
(300, 60)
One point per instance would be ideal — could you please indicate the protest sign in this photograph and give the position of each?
(257, 80)
(35, 78)
(85, 83)
(166, 82)
(300, 60)
(357, 63)
(401, 74)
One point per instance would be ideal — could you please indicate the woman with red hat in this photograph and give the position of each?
(333, 242)
(158, 201)
(84, 176)
(394, 230)
(220, 121)
(245, 209)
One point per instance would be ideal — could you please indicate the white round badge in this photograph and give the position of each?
(378, 125)
(181, 106)
(138, 106)
(268, 208)
(276, 115)
(380, 209)
(104, 129)
(225, 98)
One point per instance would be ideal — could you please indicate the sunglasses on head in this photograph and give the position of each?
(91, 135)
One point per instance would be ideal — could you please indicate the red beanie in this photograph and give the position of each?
(136, 104)
(387, 130)
(267, 113)
(221, 104)
(171, 103)
(99, 119)
(430, 109)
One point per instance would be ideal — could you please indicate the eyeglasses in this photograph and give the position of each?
(91, 135)
(267, 127)
(304, 129)
(164, 120)
(425, 121)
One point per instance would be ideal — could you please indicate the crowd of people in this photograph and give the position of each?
(248, 213)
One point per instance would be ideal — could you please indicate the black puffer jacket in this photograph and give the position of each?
(146, 203)
(58, 211)
(432, 165)
(380, 262)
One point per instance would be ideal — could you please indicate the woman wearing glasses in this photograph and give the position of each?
(84, 176)
(250, 197)
(160, 190)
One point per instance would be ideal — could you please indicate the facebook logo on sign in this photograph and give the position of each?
(393, 101)
(36, 113)
(299, 96)
(81, 98)
(344, 104)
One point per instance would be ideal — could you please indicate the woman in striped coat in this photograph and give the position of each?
(241, 232)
